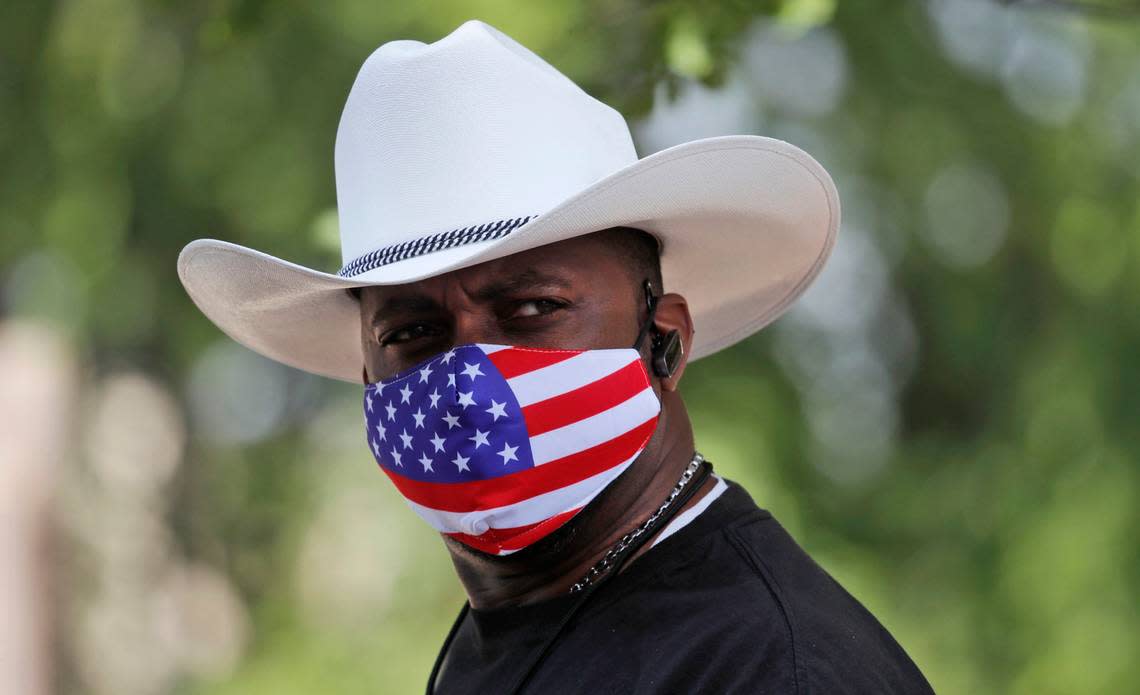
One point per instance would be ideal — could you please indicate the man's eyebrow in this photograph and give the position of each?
(526, 280)
(404, 304)
(529, 279)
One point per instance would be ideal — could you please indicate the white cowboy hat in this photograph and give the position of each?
(471, 148)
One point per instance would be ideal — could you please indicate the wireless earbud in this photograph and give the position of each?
(666, 350)
(667, 353)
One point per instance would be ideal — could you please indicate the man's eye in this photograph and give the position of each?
(408, 333)
(535, 307)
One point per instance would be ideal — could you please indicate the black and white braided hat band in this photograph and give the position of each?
(434, 242)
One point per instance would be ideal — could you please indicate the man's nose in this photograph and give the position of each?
(473, 319)
(475, 325)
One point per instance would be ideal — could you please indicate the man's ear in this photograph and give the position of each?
(673, 315)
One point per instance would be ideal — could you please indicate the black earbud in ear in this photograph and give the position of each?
(667, 353)
(665, 350)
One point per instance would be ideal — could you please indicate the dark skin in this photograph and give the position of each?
(572, 294)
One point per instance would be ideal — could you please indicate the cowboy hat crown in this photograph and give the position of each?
(459, 140)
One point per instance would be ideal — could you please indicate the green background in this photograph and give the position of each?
(948, 421)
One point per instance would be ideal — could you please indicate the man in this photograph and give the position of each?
(520, 296)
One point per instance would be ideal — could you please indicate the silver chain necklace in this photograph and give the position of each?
(602, 566)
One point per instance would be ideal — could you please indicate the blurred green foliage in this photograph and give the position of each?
(962, 454)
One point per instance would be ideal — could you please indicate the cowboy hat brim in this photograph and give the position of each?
(745, 224)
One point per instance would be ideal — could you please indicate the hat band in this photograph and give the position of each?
(434, 242)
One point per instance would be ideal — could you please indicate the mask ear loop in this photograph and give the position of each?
(651, 303)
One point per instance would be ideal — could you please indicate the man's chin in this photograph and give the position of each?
(550, 548)
(560, 542)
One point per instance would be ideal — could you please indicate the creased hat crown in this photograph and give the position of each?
(473, 133)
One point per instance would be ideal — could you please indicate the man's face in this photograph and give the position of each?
(573, 294)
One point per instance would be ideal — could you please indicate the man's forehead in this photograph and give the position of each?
(572, 263)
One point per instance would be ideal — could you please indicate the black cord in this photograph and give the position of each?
(702, 474)
(698, 480)
(446, 645)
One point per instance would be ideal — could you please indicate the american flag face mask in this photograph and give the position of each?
(498, 446)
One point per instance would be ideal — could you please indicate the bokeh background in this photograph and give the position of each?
(948, 421)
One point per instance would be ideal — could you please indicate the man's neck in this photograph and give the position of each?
(528, 577)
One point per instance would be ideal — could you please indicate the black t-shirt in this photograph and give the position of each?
(728, 604)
